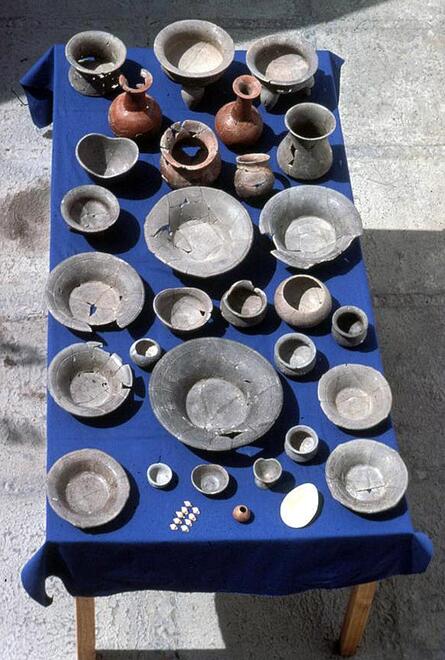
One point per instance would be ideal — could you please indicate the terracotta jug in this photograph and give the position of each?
(253, 176)
(239, 123)
(134, 114)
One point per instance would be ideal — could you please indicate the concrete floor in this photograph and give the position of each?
(393, 120)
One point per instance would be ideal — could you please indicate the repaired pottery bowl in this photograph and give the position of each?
(106, 158)
(199, 231)
(87, 488)
(145, 352)
(295, 354)
(349, 326)
(210, 479)
(159, 475)
(283, 65)
(215, 394)
(366, 476)
(87, 381)
(354, 396)
(266, 472)
(183, 309)
(95, 58)
(244, 305)
(301, 443)
(94, 289)
(310, 225)
(194, 54)
(90, 209)
(302, 301)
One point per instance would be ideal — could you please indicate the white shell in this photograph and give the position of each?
(179, 514)
(300, 506)
(184, 528)
(187, 503)
(196, 510)
(192, 517)
(173, 527)
(184, 509)
(177, 521)
(188, 523)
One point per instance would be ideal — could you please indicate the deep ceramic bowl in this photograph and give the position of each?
(244, 305)
(295, 354)
(349, 326)
(301, 443)
(184, 309)
(302, 301)
(106, 158)
(90, 209)
(145, 352)
(159, 475)
(210, 479)
(266, 472)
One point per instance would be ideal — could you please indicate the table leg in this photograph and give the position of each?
(356, 617)
(86, 629)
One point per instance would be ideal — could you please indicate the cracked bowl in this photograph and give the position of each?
(87, 488)
(94, 289)
(199, 231)
(366, 476)
(244, 305)
(310, 225)
(87, 381)
(210, 479)
(90, 209)
(215, 394)
(354, 396)
(184, 309)
(106, 157)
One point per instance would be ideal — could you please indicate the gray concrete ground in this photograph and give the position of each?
(393, 119)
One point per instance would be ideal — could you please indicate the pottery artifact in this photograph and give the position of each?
(238, 123)
(133, 114)
(199, 231)
(210, 479)
(145, 352)
(90, 209)
(310, 225)
(266, 472)
(159, 475)
(305, 152)
(283, 65)
(87, 488)
(302, 301)
(295, 354)
(366, 476)
(301, 443)
(349, 326)
(94, 289)
(354, 396)
(215, 394)
(244, 305)
(300, 506)
(87, 381)
(179, 168)
(95, 58)
(194, 54)
(253, 176)
(183, 309)
(106, 158)
(242, 513)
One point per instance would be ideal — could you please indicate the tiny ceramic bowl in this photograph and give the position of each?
(349, 326)
(302, 301)
(244, 305)
(295, 354)
(210, 479)
(90, 209)
(145, 352)
(184, 309)
(266, 472)
(301, 443)
(106, 158)
(159, 475)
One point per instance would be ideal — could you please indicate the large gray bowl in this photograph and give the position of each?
(310, 225)
(366, 476)
(199, 231)
(93, 289)
(215, 394)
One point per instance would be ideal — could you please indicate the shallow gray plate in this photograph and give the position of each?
(366, 476)
(87, 488)
(215, 394)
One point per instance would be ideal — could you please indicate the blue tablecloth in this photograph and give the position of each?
(138, 550)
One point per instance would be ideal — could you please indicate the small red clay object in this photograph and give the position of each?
(241, 513)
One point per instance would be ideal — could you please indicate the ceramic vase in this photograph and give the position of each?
(133, 114)
(253, 176)
(239, 123)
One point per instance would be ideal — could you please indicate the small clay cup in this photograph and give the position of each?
(295, 354)
(238, 123)
(349, 326)
(253, 176)
(145, 352)
(266, 472)
(301, 443)
(244, 305)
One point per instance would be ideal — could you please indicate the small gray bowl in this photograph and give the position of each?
(349, 326)
(159, 475)
(267, 472)
(145, 352)
(295, 354)
(301, 443)
(90, 209)
(183, 309)
(210, 479)
(244, 305)
(106, 158)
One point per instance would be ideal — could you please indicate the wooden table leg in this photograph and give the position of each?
(356, 617)
(86, 629)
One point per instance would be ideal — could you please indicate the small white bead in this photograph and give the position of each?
(196, 510)
(180, 514)
(184, 528)
(184, 509)
(187, 503)
(188, 523)
(177, 521)
(173, 527)
(192, 517)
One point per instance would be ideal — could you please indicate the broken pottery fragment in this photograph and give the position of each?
(183, 309)
(215, 394)
(295, 354)
(302, 301)
(239, 123)
(301, 443)
(106, 158)
(210, 479)
(366, 476)
(199, 231)
(94, 289)
(90, 209)
(244, 305)
(145, 352)
(87, 381)
(266, 472)
(253, 176)
(134, 114)
(194, 54)
(349, 326)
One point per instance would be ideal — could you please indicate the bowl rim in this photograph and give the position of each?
(83, 70)
(310, 104)
(282, 40)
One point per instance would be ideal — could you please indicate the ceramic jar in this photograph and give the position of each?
(181, 169)
(302, 301)
(301, 443)
(349, 326)
(305, 152)
(133, 114)
(239, 123)
(253, 176)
